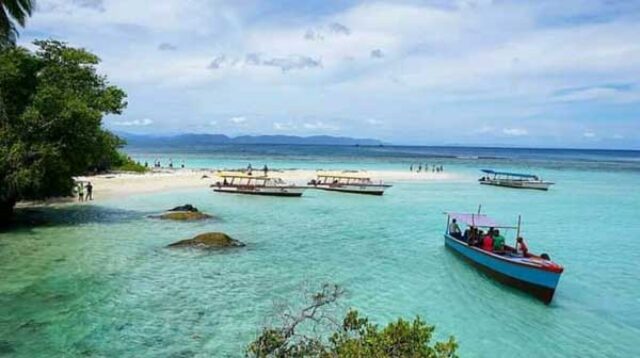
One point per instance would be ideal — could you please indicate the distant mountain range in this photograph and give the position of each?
(181, 140)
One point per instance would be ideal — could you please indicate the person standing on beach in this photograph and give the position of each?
(266, 170)
(80, 192)
(89, 191)
(411, 168)
(249, 169)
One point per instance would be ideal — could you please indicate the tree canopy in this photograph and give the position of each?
(355, 336)
(52, 102)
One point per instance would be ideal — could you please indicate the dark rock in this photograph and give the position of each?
(185, 207)
(209, 240)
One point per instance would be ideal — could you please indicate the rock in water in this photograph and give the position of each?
(209, 240)
(185, 207)
(184, 215)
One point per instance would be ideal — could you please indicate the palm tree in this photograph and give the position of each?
(12, 12)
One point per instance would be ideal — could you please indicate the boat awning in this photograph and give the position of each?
(240, 175)
(477, 220)
(494, 172)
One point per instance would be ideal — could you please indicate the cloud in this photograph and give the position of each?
(165, 46)
(97, 5)
(339, 29)
(333, 29)
(291, 62)
(624, 93)
(589, 134)
(213, 123)
(319, 125)
(238, 119)
(377, 53)
(312, 35)
(515, 132)
(217, 62)
(284, 126)
(135, 122)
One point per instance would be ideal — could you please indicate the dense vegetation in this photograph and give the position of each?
(354, 336)
(52, 102)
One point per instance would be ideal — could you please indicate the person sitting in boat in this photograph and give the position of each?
(521, 247)
(466, 237)
(487, 241)
(454, 229)
(498, 242)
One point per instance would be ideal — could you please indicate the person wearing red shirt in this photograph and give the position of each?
(487, 242)
(521, 247)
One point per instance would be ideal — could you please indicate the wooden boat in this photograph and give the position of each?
(243, 183)
(536, 275)
(348, 182)
(514, 180)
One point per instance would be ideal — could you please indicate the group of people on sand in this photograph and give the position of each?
(158, 164)
(491, 240)
(249, 171)
(80, 189)
(419, 168)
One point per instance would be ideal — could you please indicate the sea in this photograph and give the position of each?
(98, 280)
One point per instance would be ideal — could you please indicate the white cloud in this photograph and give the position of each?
(589, 134)
(515, 132)
(238, 119)
(213, 123)
(319, 125)
(133, 123)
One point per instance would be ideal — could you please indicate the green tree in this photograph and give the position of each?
(355, 336)
(53, 102)
(13, 12)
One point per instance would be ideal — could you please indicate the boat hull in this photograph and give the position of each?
(265, 191)
(517, 184)
(538, 282)
(355, 189)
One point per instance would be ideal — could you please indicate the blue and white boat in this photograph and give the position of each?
(537, 275)
(514, 180)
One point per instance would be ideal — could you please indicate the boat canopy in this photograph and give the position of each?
(477, 220)
(519, 175)
(241, 175)
(343, 175)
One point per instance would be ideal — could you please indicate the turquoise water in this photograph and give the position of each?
(98, 280)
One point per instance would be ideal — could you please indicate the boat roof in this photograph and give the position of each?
(477, 220)
(242, 175)
(495, 172)
(344, 175)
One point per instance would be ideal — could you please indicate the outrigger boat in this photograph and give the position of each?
(536, 275)
(514, 180)
(243, 183)
(348, 182)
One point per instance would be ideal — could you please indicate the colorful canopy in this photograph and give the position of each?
(477, 220)
(493, 172)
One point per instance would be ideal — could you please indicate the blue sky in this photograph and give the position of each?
(540, 73)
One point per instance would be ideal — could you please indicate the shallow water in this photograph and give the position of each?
(98, 281)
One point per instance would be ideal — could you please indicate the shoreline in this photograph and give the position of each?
(117, 185)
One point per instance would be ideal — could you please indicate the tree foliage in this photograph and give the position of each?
(51, 108)
(13, 12)
(354, 336)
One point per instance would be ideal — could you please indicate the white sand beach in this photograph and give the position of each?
(109, 186)
(119, 185)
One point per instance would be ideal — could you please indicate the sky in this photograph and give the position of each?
(469, 72)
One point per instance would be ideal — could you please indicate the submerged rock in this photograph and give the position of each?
(209, 240)
(183, 215)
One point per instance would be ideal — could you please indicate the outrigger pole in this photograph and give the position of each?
(518, 231)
